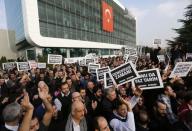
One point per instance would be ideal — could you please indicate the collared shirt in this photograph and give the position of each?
(12, 128)
(58, 103)
(76, 127)
(128, 125)
(170, 115)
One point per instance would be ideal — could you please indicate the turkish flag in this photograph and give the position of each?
(107, 12)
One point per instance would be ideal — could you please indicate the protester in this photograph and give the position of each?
(101, 124)
(123, 117)
(76, 120)
(67, 98)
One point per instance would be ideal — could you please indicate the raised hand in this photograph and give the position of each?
(43, 86)
(138, 91)
(25, 103)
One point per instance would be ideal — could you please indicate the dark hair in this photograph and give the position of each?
(189, 117)
(141, 120)
(188, 96)
(95, 89)
(64, 83)
(96, 123)
(159, 101)
(81, 89)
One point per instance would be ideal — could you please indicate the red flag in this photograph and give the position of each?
(107, 17)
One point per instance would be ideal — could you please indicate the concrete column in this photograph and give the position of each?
(68, 53)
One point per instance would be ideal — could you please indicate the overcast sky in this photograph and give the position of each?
(155, 18)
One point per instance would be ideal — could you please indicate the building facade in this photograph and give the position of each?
(7, 47)
(72, 28)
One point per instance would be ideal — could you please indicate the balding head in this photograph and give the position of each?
(78, 110)
(101, 124)
(76, 96)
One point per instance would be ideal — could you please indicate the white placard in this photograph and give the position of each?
(8, 65)
(32, 64)
(123, 74)
(181, 69)
(41, 65)
(161, 58)
(93, 67)
(23, 66)
(149, 79)
(100, 73)
(54, 59)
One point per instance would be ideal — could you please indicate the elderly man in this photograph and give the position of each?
(76, 120)
(101, 124)
(12, 114)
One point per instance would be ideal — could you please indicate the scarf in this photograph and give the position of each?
(69, 125)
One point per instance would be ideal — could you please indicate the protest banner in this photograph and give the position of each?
(157, 41)
(93, 67)
(82, 62)
(181, 69)
(54, 59)
(70, 60)
(132, 58)
(32, 64)
(23, 66)
(149, 79)
(161, 58)
(131, 51)
(41, 65)
(107, 80)
(123, 74)
(125, 57)
(8, 65)
(100, 73)
(87, 61)
(96, 60)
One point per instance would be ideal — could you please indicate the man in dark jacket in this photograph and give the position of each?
(159, 119)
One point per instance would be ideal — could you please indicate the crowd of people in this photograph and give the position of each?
(68, 98)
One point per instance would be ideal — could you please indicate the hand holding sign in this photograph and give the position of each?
(138, 91)
(127, 103)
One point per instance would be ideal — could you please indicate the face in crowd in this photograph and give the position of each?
(122, 110)
(65, 89)
(111, 94)
(2, 81)
(34, 124)
(161, 109)
(99, 93)
(90, 85)
(169, 91)
(83, 93)
(102, 124)
(78, 110)
(76, 96)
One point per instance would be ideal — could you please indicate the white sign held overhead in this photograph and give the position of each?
(41, 65)
(33, 64)
(107, 81)
(54, 59)
(161, 58)
(157, 41)
(93, 67)
(181, 69)
(149, 79)
(23, 66)
(9, 65)
(100, 73)
(123, 74)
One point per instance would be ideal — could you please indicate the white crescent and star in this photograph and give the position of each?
(107, 11)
